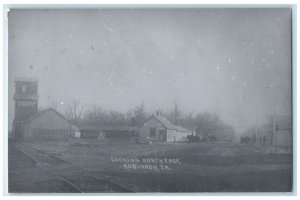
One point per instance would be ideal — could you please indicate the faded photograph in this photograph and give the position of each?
(150, 100)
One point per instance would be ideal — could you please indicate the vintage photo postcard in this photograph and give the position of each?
(150, 100)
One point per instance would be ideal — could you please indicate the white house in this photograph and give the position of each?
(159, 128)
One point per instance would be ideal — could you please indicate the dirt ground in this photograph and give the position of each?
(25, 176)
(181, 167)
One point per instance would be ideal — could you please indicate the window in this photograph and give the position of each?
(152, 132)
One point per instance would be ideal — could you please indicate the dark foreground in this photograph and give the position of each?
(85, 167)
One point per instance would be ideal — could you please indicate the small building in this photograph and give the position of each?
(90, 132)
(119, 132)
(108, 132)
(159, 128)
(281, 133)
(75, 131)
(276, 132)
(47, 125)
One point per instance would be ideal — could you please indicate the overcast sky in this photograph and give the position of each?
(233, 62)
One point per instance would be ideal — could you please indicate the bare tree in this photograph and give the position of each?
(116, 118)
(175, 115)
(74, 112)
(95, 115)
(139, 115)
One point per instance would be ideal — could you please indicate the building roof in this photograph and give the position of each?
(119, 128)
(165, 122)
(182, 129)
(169, 125)
(89, 127)
(108, 128)
(44, 111)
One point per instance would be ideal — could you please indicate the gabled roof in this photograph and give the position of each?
(43, 112)
(89, 127)
(165, 122)
(169, 125)
(182, 129)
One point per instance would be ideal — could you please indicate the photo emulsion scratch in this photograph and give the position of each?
(150, 100)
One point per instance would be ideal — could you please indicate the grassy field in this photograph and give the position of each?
(181, 167)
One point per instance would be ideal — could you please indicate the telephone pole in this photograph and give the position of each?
(176, 113)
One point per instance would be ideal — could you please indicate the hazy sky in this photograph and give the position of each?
(234, 62)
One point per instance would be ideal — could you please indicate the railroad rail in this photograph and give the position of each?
(76, 176)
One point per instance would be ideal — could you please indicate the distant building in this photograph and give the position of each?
(26, 102)
(119, 132)
(280, 130)
(159, 128)
(75, 131)
(89, 131)
(29, 124)
(276, 132)
(126, 133)
(47, 125)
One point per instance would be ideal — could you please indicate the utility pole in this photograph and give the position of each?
(256, 132)
(176, 113)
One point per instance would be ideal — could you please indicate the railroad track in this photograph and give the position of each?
(26, 162)
(76, 176)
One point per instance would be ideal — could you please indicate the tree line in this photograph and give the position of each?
(204, 124)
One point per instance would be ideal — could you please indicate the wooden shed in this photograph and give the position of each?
(90, 132)
(108, 132)
(119, 132)
(47, 125)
